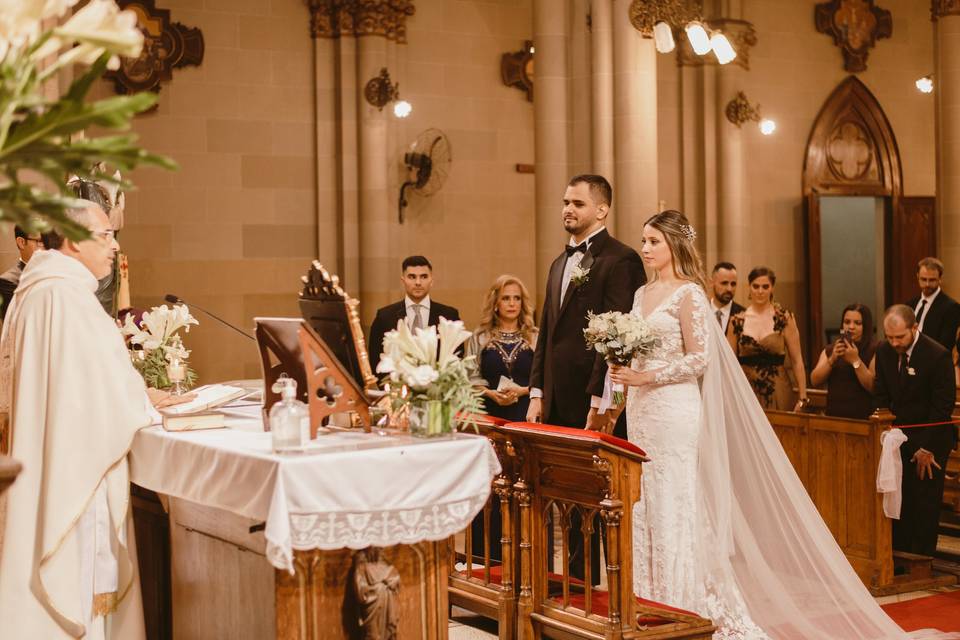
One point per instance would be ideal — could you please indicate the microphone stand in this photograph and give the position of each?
(172, 299)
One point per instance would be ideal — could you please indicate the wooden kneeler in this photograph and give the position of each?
(330, 388)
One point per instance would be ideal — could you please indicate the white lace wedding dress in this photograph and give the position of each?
(724, 526)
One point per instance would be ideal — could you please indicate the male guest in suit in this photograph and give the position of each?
(595, 273)
(10, 279)
(416, 309)
(915, 380)
(724, 288)
(938, 315)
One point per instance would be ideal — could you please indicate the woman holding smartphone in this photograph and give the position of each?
(847, 366)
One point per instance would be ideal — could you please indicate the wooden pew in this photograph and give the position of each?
(837, 461)
(560, 470)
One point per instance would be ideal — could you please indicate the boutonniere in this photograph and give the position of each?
(579, 275)
(911, 371)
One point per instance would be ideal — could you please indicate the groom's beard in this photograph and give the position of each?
(723, 298)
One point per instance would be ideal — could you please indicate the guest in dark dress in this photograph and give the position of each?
(843, 366)
(503, 345)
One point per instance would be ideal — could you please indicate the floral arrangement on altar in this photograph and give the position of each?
(161, 347)
(429, 378)
(619, 337)
(43, 140)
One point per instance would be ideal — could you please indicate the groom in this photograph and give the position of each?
(594, 272)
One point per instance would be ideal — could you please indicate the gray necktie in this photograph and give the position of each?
(417, 318)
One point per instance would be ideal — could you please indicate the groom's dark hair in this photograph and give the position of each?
(600, 189)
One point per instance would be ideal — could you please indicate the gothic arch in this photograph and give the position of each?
(851, 151)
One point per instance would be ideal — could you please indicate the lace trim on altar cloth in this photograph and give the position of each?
(359, 530)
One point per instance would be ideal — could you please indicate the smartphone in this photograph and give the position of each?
(846, 336)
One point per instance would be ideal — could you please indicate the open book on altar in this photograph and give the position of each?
(197, 413)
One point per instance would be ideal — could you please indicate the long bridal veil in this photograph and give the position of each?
(762, 534)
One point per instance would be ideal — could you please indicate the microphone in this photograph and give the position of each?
(172, 299)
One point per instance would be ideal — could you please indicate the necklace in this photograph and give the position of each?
(509, 344)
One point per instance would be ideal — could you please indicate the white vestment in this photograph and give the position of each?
(74, 403)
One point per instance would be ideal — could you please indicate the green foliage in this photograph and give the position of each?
(153, 369)
(35, 136)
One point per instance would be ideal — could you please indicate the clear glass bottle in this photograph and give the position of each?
(289, 419)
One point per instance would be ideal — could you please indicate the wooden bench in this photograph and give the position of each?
(837, 461)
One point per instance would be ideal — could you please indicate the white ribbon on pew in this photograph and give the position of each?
(890, 472)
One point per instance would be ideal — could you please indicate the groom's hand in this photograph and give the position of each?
(533, 410)
(598, 421)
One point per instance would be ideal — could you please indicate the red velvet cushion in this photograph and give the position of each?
(581, 433)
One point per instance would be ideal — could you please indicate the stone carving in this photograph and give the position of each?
(941, 8)
(849, 152)
(387, 18)
(646, 13)
(375, 587)
(855, 26)
(166, 46)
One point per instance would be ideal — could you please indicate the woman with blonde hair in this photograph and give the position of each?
(503, 345)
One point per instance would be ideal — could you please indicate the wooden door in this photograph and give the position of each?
(913, 237)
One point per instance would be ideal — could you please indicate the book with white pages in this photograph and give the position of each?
(208, 397)
(507, 384)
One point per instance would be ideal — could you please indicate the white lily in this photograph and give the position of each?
(452, 335)
(100, 26)
(21, 20)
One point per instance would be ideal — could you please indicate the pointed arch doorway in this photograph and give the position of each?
(863, 236)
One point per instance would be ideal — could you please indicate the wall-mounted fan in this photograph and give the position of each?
(428, 162)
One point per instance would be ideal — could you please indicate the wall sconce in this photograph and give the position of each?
(667, 20)
(925, 84)
(381, 91)
(739, 110)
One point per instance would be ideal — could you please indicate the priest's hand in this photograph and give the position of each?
(925, 463)
(534, 410)
(160, 399)
(629, 377)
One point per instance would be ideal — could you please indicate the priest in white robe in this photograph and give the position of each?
(67, 563)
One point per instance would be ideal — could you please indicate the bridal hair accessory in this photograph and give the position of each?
(688, 232)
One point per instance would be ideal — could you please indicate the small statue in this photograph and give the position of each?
(376, 585)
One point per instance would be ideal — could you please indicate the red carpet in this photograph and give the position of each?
(941, 611)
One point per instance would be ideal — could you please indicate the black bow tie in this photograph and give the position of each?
(580, 248)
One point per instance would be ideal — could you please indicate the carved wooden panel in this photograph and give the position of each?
(166, 46)
(851, 151)
(855, 26)
(914, 237)
(387, 18)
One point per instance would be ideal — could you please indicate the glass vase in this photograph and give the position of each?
(430, 419)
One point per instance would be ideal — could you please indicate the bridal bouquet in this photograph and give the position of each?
(619, 337)
(428, 375)
(163, 355)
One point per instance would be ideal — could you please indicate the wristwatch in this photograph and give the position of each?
(856, 365)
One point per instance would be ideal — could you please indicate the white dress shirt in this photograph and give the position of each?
(926, 309)
(724, 312)
(411, 312)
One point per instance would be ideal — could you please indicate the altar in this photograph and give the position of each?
(344, 540)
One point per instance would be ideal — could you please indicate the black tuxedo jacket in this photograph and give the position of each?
(942, 319)
(563, 368)
(387, 318)
(923, 397)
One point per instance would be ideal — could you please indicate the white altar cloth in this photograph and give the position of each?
(348, 490)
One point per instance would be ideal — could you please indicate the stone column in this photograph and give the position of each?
(551, 122)
(601, 117)
(946, 14)
(635, 127)
(732, 215)
(374, 200)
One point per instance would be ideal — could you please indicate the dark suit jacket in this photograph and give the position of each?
(8, 285)
(387, 318)
(563, 368)
(734, 310)
(942, 319)
(927, 396)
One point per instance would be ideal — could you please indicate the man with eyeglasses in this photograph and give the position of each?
(26, 245)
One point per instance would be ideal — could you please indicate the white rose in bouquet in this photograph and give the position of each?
(619, 337)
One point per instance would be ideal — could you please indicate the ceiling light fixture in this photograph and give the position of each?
(722, 48)
(663, 37)
(925, 84)
(698, 37)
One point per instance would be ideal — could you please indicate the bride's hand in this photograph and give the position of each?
(629, 377)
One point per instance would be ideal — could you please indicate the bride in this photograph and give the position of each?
(724, 526)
